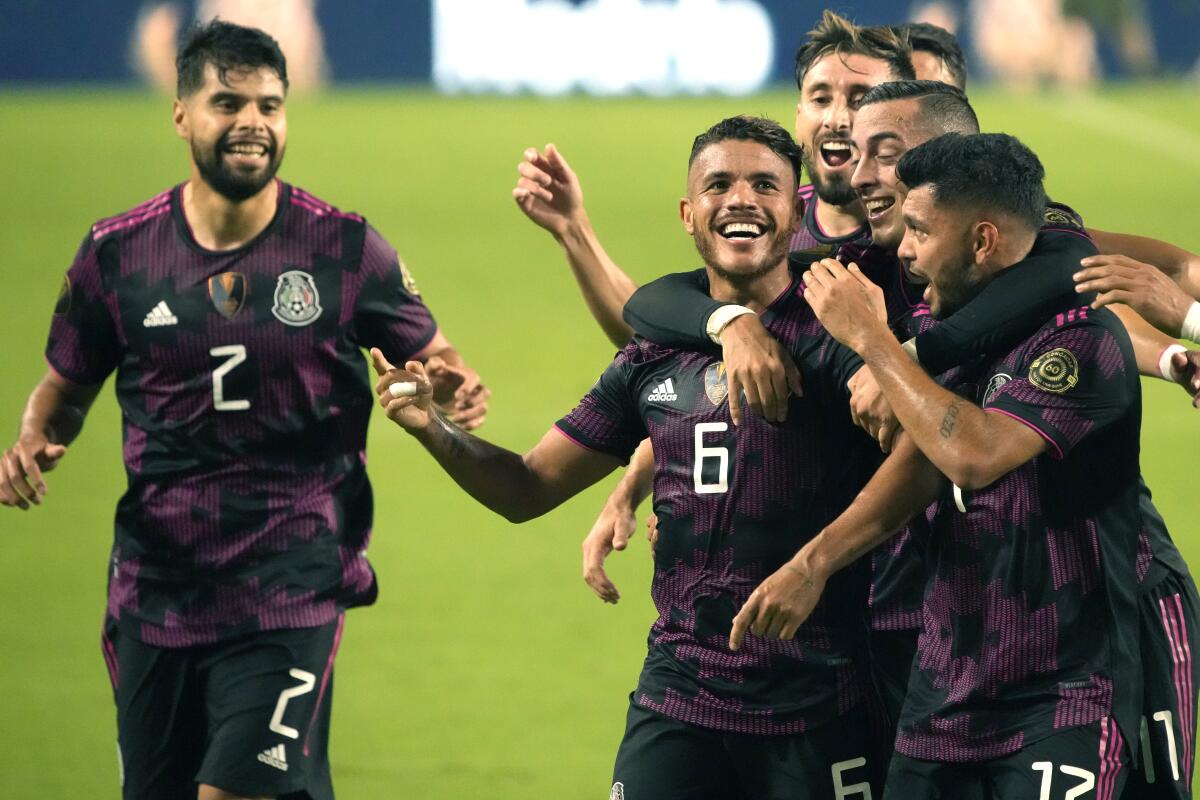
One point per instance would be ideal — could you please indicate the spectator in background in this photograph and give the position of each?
(292, 23)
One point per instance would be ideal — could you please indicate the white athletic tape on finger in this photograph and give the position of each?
(403, 389)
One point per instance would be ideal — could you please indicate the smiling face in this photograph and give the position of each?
(829, 98)
(883, 132)
(741, 208)
(236, 129)
(939, 246)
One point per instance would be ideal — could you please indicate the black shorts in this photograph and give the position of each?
(250, 715)
(1090, 762)
(1168, 619)
(661, 758)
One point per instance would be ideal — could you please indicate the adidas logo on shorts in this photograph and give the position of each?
(275, 757)
(664, 392)
(160, 315)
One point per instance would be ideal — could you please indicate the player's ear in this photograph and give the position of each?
(685, 214)
(179, 118)
(986, 237)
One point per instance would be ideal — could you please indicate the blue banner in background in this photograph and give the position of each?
(598, 46)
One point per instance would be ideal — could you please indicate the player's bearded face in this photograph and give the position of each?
(741, 209)
(829, 97)
(222, 166)
(236, 128)
(938, 246)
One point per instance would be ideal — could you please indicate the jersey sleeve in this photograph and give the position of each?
(607, 419)
(831, 361)
(83, 345)
(1016, 302)
(1069, 382)
(673, 310)
(388, 312)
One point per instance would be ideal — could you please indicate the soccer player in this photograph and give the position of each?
(836, 64)
(779, 719)
(1027, 681)
(231, 308)
(937, 56)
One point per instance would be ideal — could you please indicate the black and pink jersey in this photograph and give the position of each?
(811, 240)
(734, 504)
(1029, 621)
(245, 400)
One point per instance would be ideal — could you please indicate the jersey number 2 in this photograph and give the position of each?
(234, 354)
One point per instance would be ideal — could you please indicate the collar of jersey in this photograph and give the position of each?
(282, 200)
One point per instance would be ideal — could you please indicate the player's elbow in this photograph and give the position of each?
(972, 471)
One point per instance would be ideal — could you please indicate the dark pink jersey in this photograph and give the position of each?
(245, 399)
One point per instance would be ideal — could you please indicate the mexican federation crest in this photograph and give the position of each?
(296, 300)
(715, 384)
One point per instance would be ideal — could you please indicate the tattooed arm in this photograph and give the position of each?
(970, 446)
(901, 488)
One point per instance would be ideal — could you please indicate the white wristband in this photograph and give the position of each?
(1191, 324)
(1164, 361)
(718, 319)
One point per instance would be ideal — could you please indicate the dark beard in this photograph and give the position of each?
(232, 186)
(835, 192)
(777, 253)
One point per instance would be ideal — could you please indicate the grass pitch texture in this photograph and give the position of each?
(487, 668)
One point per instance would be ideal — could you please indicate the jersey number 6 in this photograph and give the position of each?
(703, 453)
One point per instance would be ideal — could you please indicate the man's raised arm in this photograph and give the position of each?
(548, 192)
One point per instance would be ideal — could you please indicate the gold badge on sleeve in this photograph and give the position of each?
(1056, 371)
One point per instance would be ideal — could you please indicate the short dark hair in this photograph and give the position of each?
(226, 46)
(838, 35)
(744, 128)
(930, 38)
(944, 106)
(985, 171)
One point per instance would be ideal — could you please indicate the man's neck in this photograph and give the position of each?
(218, 223)
(755, 293)
(837, 221)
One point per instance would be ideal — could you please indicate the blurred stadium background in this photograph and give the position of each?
(488, 668)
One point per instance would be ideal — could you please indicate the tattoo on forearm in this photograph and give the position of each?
(948, 421)
(454, 439)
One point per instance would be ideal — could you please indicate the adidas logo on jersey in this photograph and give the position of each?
(664, 392)
(274, 756)
(160, 315)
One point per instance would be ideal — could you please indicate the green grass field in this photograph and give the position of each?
(487, 668)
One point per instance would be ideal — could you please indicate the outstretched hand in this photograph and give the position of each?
(405, 394)
(612, 530)
(22, 483)
(458, 392)
(548, 191)
(1142, 287)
